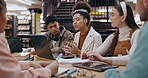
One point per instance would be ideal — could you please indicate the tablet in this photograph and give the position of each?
(100, 67)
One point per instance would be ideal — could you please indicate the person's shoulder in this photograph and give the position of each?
(96, 34)
(92, 30)
(48, 32)
(111, 36)
(136, 32)
(67, 31)
(63, 29)
(77, 33)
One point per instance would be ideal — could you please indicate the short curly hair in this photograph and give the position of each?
(51, 19)
(83, 5)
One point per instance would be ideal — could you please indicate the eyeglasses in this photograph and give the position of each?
(86, 74)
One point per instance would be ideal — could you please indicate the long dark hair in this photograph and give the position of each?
(83, 5)
(2, 4)
(129, 21)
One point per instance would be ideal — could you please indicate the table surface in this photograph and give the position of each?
(97, 74)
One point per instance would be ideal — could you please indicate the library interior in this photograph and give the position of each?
(26, 27)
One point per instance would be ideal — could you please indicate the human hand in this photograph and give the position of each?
(66, 48)
(84, 55)
(39, 64)
(92, 55)
(55, 50)
(71, 48)
(33, 53)
(74, 49)
(53, 67)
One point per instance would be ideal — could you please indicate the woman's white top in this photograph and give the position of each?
(92, 41)
(123, 35)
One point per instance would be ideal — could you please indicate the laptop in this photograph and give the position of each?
(41, 46)
(15, 44)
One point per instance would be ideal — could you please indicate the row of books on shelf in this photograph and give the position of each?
(22, 27)
(22, 21)
(17, 26)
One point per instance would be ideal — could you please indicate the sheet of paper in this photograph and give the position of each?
(24, 54)
(62, 71)
(74, 60)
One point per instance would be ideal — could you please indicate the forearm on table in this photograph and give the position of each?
(107, 60)
(122, 60)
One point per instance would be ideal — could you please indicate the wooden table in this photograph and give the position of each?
(97, 74)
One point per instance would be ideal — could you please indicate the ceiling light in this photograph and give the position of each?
(25, 12)
(29, 1)
(8, 13)
(24, 17)
(15, 9)
(24, 2)
(104, 10)
(135, 1)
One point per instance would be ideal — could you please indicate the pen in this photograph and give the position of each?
(59, 56)
(61, 73)
(72, 71)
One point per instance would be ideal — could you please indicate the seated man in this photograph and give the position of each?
(57, 34)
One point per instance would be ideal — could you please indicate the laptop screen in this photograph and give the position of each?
(41, 46)
(15, 44)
